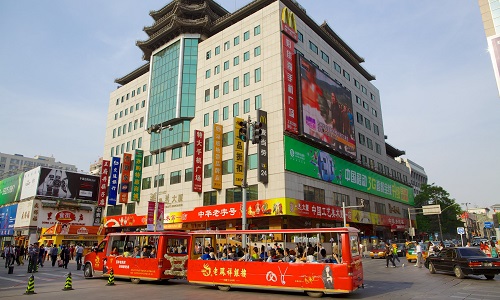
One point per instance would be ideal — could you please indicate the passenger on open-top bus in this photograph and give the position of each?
(137, 252)
(245, 257)
(127, 252)
(153, 253)
(255, 254)
(263, 253)
(146, 252)
(115, 252)
(206, 255)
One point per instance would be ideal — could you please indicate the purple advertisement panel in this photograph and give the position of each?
(67, 185)
(326, 110)
(113, 181)
(7, 219)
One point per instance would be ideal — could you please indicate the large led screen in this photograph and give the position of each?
(67, 185)
(326, 110)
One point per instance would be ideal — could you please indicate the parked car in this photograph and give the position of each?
(463, 261)
(378, 251)
(411, 251)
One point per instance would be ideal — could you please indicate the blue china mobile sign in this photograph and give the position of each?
(7, 220)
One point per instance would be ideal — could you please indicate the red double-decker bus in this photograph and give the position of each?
(316, 261)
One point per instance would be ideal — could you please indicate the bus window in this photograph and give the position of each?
(117, 244)
(354, 245)
(177, 245)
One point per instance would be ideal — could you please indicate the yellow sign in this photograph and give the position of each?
(238, 153)
(217, 158)
(288, 18)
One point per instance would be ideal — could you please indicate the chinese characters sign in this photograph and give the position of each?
(136, 181)
(217, 158)
(127, 161)
(238, 153)
(262, 152)
(103, 185)
(289, 38)
(198, 161)
(113, 182)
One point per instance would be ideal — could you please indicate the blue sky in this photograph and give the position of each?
(59, 59)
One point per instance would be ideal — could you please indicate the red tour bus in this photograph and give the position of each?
(140, 256)
(316, 260)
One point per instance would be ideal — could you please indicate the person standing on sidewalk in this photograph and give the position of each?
(388, 256)
(79, 254)
(53, 254)
(33, 252)
(9, 254)
(65, 256)
(419, 256)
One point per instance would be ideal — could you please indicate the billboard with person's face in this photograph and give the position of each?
(326, 110)
(67, 185)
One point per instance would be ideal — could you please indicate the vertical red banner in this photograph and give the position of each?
(288, 39)
(151, 215)
(103, 184)
(125, 182)
(160, 216)
(198, 161)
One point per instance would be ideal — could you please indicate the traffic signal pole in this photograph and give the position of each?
(244, 186)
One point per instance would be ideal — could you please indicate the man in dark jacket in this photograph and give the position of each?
(53, 254)
(65, 256)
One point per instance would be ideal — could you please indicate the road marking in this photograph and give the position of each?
(12, 279)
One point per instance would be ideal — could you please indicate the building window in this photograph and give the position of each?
(132, 109)
(256, 51)
(300, 36)
(176, 153)
(189, 149)
(225, 88)
(207, 171)
(146, 183)
(356, 83)
(188, 175)
(363, 89)
(236, 83)
(227, 45)
(365, 106)
(256, 30)
(325, 57)
(225, 113)
(137, 106)
(375, 129)
(138, 91)
(246, 106)
(236, 61)
(358, 100)
(216, 69)
(148, 161)
(374, 112)
(314, 194)
(236, 109)
(217, 50)
(246, 79)
(346, 75)
(141, 122)
(175, 177)
(216, 116)
(119, 131)
(337, 67)
(210, 198)
(313, 47)
(209, 54)
(364, 160)
(207, 74)
(121, 114)
(339, 198)
(234, 195)
(257, 75)
(144, 87)
(209, 144)
(159, 180)
(226, 65)
(246, 56)
(133, 144)
(380, 208)
(143, 103)
(112, 150)
(116, 116)
(227, 167)
(380, 167)
(368, 124)
(258, 102)
(359, 118)
(236, 40)
(372, 96)
(207, 95)
(246, 35)
(252, 162)
(227, 139)
(361, 139)
(206, 119)
(114, 133)
(216, 91)
(369, 143)
(378, 149)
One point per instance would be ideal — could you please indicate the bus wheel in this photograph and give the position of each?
(224, 288)
(87, 271)
(135, 280)
(315, 294)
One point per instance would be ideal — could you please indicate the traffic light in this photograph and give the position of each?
(242, 134)
(257, 132)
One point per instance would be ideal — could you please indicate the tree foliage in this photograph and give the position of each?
(450, 211)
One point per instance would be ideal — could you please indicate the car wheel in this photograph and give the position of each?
(432, 270)
(373, 257)
(87, 271)
(489, 277)
(458, 272)
(315, 294)
(224, 288)
(135, 280)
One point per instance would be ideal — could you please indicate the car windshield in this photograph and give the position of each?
(469, 251)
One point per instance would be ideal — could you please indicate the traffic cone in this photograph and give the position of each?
(68, 285)
(111, 278)
(31, 286)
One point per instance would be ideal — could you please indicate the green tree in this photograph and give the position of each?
(450, 211)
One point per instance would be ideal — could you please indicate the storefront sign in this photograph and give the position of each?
(238, 153)
(103, 184)
(97, 215)
(262, 171)
(198, 161)
(7, 219)
(10, 189)
(217, 158)
(289, 38)
(65, 216)
(113, 183)
(125, 181)
(136, 181)
(130, 220)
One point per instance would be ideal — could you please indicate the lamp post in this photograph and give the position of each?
(467, 220)
(158, 129)
(352, 206)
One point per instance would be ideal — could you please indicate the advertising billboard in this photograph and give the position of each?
(494, 49)
(113, 182)
(326, 110)
(309, 161)
(198, 161)
(217, 157)
(30, 183)
(7, 219)
(10, 189)
(67, 185)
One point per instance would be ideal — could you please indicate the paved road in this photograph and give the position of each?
(380, 283)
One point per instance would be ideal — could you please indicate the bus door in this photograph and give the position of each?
(98, 257)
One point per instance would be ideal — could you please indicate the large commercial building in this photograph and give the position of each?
(322, 142)
(417, 174)
(11, 164)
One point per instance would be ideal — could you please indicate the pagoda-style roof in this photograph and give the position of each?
(133, 75)
(393, 151)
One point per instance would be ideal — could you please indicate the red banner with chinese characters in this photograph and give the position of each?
(151, 215)
(217, 157)
(289, 38)
(103, 185)
(198, 161)
(125, 220)
(127, 161)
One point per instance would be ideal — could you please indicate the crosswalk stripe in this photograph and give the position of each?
(12, 279)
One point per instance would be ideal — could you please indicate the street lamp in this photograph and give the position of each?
(467, 220)
(158, 128)
(362, 201)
